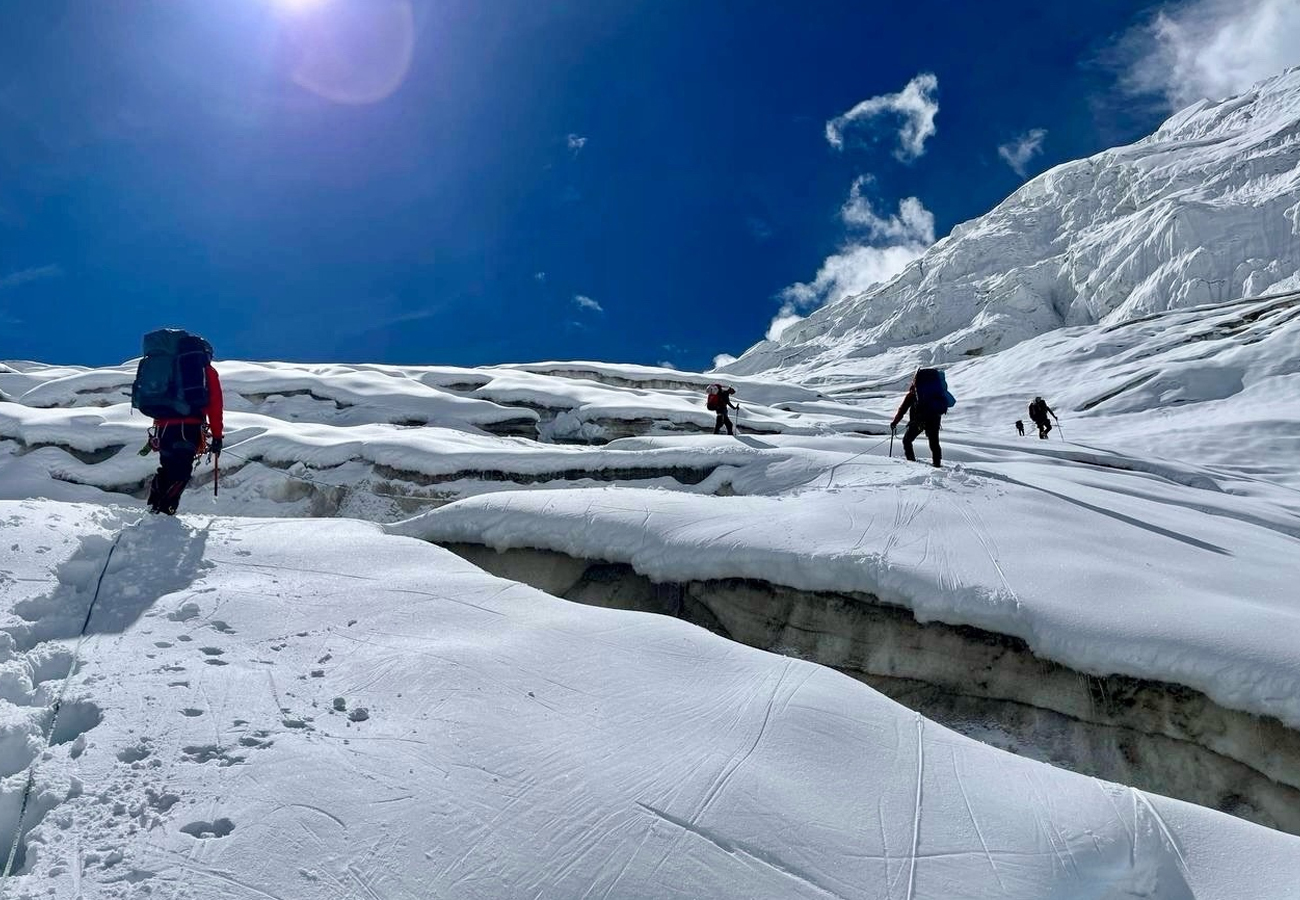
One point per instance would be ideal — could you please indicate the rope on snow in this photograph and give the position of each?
(54, 719)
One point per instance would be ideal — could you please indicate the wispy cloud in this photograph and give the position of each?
(758, 228)
(584, 302)
(576, 142)
(1209, 48)
(723, 359)
(915, 104)
(913, 224)
(402, 318)
(1019, 152)
(539, 276)
(665, 364)
(26, 276)
(887, 246)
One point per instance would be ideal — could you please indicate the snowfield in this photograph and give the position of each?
(1103, 574)
(291, 691)
(297, 708)
(258, 715)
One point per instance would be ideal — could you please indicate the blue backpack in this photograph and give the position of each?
(171, 381)
(932, 395)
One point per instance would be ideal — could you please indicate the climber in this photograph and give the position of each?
(928, 399)
(718, 400)
(1038, 413)
(176, 385)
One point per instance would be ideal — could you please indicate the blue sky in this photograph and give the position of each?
(478, 181)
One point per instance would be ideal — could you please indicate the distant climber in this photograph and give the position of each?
(176, 385)
(928, 399)
(1020, 427)
(1038, 413)
(719, 401)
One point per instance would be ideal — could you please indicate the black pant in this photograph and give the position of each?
(177, 445)
(1044, 426)
(723, 419)
(931, 429)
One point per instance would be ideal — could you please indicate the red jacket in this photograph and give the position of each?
(212, 414)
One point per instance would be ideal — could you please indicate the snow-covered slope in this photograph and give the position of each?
(1206, 209)
(255, 715)
(1141, 603)
(381, 442)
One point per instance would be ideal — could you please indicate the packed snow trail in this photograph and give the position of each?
(54, 717)
(278, 720)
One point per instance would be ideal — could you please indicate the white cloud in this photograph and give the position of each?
(1019, 152)
(915, 104)
(1211, 48)
(584, 302)
(914, 223)
(665, 364)
(723, 359)
(782, 321)
(858, 265)
(576, 142)
(539, 276)
(24, 276)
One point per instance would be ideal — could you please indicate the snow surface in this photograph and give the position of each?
(256, 715)
(1206, 209)
(1103, 559)
(1106, 573)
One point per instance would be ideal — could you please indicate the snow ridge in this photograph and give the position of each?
(1206, 209)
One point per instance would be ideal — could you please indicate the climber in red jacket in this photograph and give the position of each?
(181, 440)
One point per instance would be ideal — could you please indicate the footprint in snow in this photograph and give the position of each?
(185, 613)
(258, 741)
(134, 753)
(216, 829)
(205, 753)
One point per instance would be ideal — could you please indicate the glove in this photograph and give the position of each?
(893, 427)
(215, 445)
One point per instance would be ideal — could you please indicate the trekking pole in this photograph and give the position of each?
(1059, 429)
(892, 432)
(216, 473)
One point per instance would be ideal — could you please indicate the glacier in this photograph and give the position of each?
(530, 630)
(1206, 209)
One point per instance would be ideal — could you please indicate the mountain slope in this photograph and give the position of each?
(253, 717)
(1206, 209)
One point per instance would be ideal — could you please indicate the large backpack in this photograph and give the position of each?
(715, 401)
(932, 396)
(1038, 410)
(171, 381)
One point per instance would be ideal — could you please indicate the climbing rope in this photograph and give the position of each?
(54, 719)
(845, 462)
